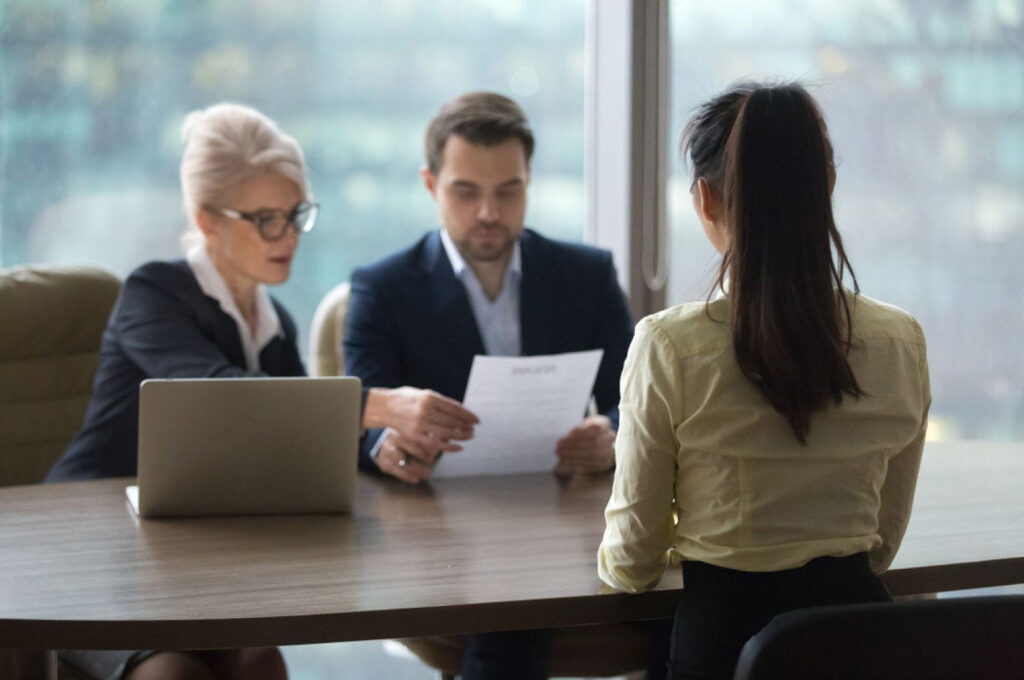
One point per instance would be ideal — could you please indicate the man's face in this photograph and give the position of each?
(481, 196)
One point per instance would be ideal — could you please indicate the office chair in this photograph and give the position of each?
(51, 322)
(326, 355)
(954, 639)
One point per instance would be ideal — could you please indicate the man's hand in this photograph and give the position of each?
(590, 446)
(394, 458)
(426, 420)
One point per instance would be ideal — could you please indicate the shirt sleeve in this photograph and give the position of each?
(897, 496)
(640, 525)
(372, 352)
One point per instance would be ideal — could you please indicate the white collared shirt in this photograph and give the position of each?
(268, 325)
(497, 320)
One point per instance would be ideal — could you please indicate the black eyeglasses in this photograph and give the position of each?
(273, 224)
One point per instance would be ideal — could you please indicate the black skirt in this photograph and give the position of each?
(720, 609)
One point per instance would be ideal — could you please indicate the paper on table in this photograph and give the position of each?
(525, 405)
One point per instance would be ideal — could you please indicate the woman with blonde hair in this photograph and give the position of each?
(769, 438)
(210, 316)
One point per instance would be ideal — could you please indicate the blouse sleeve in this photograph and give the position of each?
(640, 525)
(897, 496)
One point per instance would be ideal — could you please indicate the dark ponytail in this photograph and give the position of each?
(765, 154)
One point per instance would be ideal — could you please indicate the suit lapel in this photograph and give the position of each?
(218, 322)
(228, 337)
(536, 320)
(448, 300)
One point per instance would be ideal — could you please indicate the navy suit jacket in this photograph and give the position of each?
(163, 326)
(410, 322)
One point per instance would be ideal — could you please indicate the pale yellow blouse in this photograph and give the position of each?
(707, 470)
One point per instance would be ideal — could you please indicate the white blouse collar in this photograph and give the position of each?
(268, 325)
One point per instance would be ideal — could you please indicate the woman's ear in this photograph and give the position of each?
(704, 201)
(708, 211)
(206, 221)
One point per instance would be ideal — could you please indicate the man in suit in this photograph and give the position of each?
(483, 284)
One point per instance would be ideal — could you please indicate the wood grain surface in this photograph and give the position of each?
(78, 570)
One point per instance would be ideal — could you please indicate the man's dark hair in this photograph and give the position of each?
(481, 118)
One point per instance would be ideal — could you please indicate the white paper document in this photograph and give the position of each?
(525, 405)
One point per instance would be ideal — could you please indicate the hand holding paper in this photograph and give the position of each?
(525, 405)
(589, 447)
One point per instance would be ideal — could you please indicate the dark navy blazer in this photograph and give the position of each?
(163, 326)
(410, 322)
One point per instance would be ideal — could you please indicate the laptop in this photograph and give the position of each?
(247, 446)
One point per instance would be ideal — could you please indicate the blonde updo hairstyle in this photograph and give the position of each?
(226, 145)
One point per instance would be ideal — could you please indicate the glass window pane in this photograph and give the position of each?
(92, 97)
(924, 102)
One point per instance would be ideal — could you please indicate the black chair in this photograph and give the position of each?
(958, 639)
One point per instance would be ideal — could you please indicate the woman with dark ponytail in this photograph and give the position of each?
(769, 438)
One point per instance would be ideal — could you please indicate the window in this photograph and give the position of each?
(924, 103)
(94, 93)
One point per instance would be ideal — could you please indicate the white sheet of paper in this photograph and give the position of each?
(525, 405)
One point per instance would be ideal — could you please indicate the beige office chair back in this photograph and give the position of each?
(51, 322)
(326, 355)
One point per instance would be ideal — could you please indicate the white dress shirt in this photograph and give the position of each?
(498, 320)
(268, 325)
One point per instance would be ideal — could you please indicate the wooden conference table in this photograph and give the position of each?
(463, 555)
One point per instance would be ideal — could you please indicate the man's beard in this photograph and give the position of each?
(489, 252)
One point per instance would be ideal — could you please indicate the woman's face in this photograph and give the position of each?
(241, 255)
